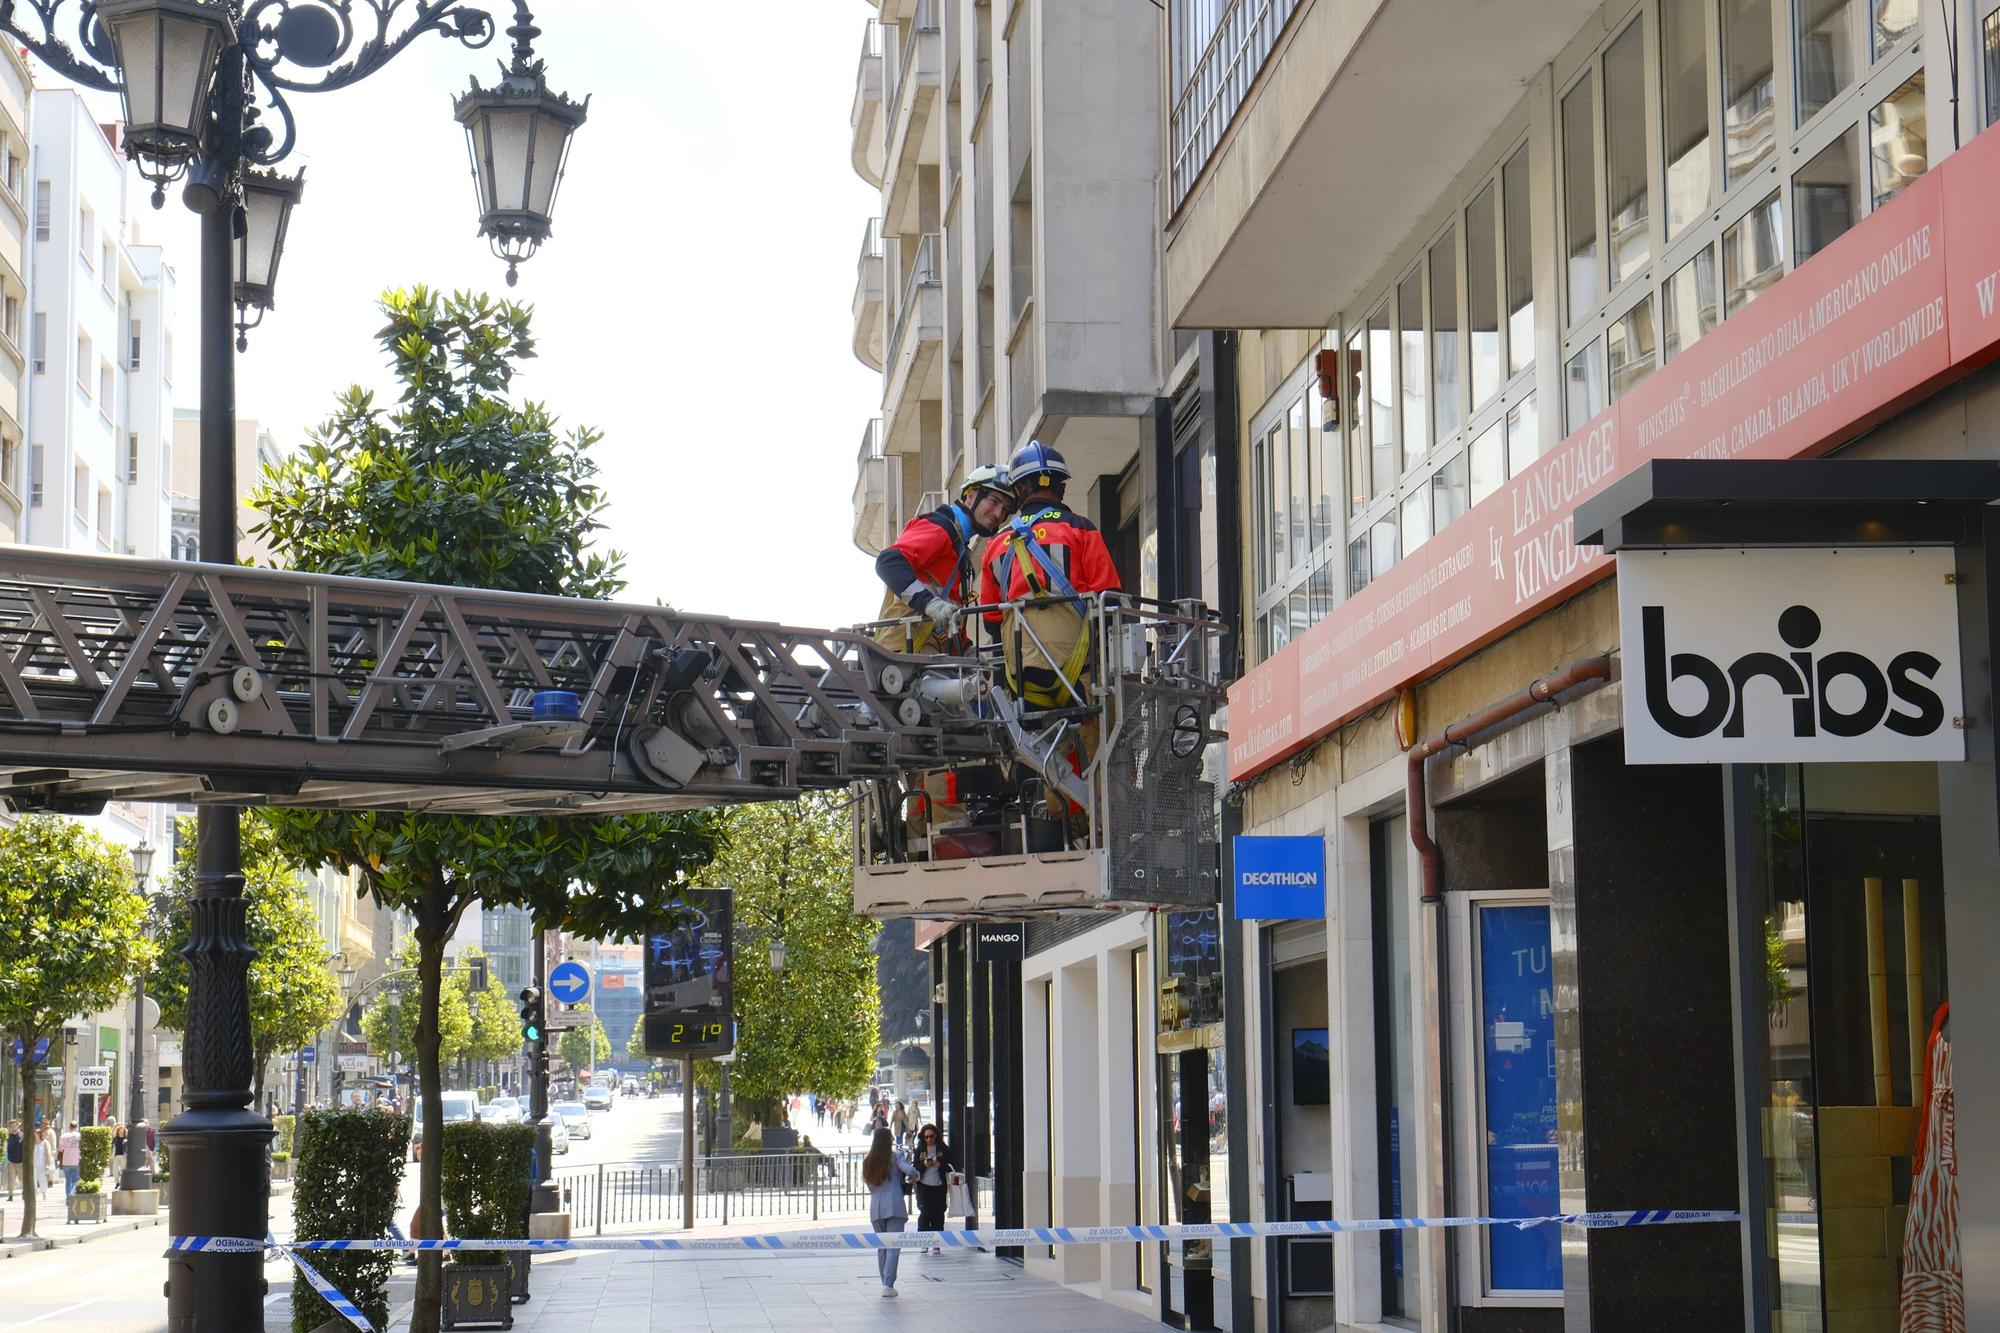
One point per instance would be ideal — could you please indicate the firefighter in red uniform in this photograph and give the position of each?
(928, 570)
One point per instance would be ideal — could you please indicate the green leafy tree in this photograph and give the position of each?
(496, 1022)
(72, 937)
(635, 1045)
(815, 1026)
(293, 994)
(459, 485)
(390, 1020)
(585, 1048)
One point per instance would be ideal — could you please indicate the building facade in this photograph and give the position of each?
(1549, 975)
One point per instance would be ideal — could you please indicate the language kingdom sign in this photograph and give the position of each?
(1904, 301)
(1790, 656)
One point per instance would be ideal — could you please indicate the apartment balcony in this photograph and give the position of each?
(869, 281)
(915, 366)
(870, 144)
(1293, 173)
(878, 493)
(911, 102)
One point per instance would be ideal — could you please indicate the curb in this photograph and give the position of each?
(118, 1226)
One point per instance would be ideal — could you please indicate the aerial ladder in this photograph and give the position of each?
(153, 681)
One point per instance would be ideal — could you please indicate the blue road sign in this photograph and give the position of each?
(569, 982)
(41, 1050)
(309, 1055)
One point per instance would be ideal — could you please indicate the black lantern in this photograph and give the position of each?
(166, 52)
(518, 135)
(268, 198)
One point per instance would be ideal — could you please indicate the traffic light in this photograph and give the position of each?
(533, 1015)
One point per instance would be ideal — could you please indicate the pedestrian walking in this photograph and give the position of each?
(45, 1159)
(899, 1123)
(887, 1173)
(16, 1177)
(71, 1148)
(121, 1144)
(934, 1164)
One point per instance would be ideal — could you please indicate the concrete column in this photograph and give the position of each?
(1118, 1187)
(1037, 1074)
(1350, 979)
(1560, 801)
(1076, 1060)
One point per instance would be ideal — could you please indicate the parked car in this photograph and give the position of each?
(503, 1111)
(574, 1117)
(558, 1137)
(457, 1106)
(597, 1097)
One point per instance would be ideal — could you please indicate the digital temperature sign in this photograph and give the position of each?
(690, 962)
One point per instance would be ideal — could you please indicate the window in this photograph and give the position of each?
(132, 456)
(80, 497)
(1688, 310)
(1416, 518)
(1524, 436)
(1416, 379)
(84, 361)
(1444, 335)
(1749, 90)
(107, 389)
(1520, 263)
(38, 342)
(86, 233)
(1825, 52)
(1482, 286)
(1489, 463)
(1684, 87)
(104, 516)
(1381, 400)
(1630, 351)
(1357, 565)
(1517, 1095)
(37, 470)
(1448, 494)
(13, 319)
(1753, 254)
(1292, 431)
(1891, 22)
(1898, 146)
(1579, 159)
(108, 266)
(10, 463)
(1352, 384)
(1382, 552)
(1990, 32)
(1826, 195)
(15, 168)
(134, 343)
(1583, 385)
(41, 210)
(1625, 171)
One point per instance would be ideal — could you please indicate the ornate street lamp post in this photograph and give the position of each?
(138, 1172)
(199, 80)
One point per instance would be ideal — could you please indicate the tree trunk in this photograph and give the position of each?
(29, 1138)
(432, 932)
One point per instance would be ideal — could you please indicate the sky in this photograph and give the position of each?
(694, 303)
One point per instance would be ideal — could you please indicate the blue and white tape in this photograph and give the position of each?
(982, 1238)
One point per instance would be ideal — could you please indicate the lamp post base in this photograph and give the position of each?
(220, 1186)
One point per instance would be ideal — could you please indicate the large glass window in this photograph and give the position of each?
(1890, 22)
(1689, 310)
(1482, 288)
(1524, 436)
(1489, 462)
(1416, 377)
(1397, 1144)
(1448, 495)
(1278, 537)
(1353, 384)
(1684, 98)
(1824, 67)
(1294, 427)
(1753, 254)
(1630, 352)
(1325, 450)
(1826, 195)
(1520, 263)
(1382, 552)
(1579, 157)
(1416, 518)
(1898, 144)
(1382, 399)
(1625, 172)
(1583, 385)
(1517, 1060)
(1444, 335)
(1749, 102)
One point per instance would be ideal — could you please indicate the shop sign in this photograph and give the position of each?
(1280, 878)
(93, 1078)
(357, 1064)
(1907, 296)
(999, 942)
(1790, 656)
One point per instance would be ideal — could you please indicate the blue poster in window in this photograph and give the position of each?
(1518, 1037)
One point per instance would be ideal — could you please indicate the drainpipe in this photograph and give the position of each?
(1507, 712)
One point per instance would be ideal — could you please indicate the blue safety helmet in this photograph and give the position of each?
(1036, 467)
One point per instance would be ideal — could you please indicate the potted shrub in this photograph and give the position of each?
(90, 1203)
(281, 1166)
(487, 1170)
(350, 1164)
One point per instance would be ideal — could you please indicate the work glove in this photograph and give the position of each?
(942, 611)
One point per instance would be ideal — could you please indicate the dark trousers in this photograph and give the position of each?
(930, 1207)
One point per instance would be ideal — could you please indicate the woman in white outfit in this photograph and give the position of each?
(884, 1170)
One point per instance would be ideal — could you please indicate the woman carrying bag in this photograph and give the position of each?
(885, 1172)
(934, 1167)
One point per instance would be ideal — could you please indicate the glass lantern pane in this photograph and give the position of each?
(138, 41)
(551, 142)
(508, 134)
(187, 61)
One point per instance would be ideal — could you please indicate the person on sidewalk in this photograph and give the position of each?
(886, 1172)
(45, 1159)
(899, 1124)
(71, 1147)
(17, 1176)
(121, 1146)
(934, 1164)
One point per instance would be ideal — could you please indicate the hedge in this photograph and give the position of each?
(95, 1163)
(286, 1141)
(487, 1184)
(350, 1167)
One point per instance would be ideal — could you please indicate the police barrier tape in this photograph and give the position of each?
(982, 1238)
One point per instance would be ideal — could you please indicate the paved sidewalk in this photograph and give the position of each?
(52, 1232)
(665, 1293)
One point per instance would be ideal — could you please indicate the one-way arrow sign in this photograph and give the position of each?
(569, 982)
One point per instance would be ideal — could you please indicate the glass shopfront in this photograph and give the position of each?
(1845, 868)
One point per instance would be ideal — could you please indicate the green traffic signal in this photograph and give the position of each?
(531, 1032)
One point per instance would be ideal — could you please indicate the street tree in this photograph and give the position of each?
(458, 484)
(72, 938)
(585, 1048)
(814, 1027)
(635, 1045)
(495, 1022)
(293, 994)
(390, 1020)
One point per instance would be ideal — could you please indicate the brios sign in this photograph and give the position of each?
(1790, 656)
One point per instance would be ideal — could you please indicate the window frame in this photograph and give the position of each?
(1275, 584)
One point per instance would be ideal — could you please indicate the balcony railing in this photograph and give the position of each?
(925, 20)
(871, 240)
(1208, 101)
(923, 273)
(871, 441)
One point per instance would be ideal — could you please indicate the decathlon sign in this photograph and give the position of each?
(1280, 878)
(1790, 656)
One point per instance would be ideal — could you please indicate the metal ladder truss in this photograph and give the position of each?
(1131, 824)
(142, 680)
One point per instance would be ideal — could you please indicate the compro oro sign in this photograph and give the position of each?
(1790, 656)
